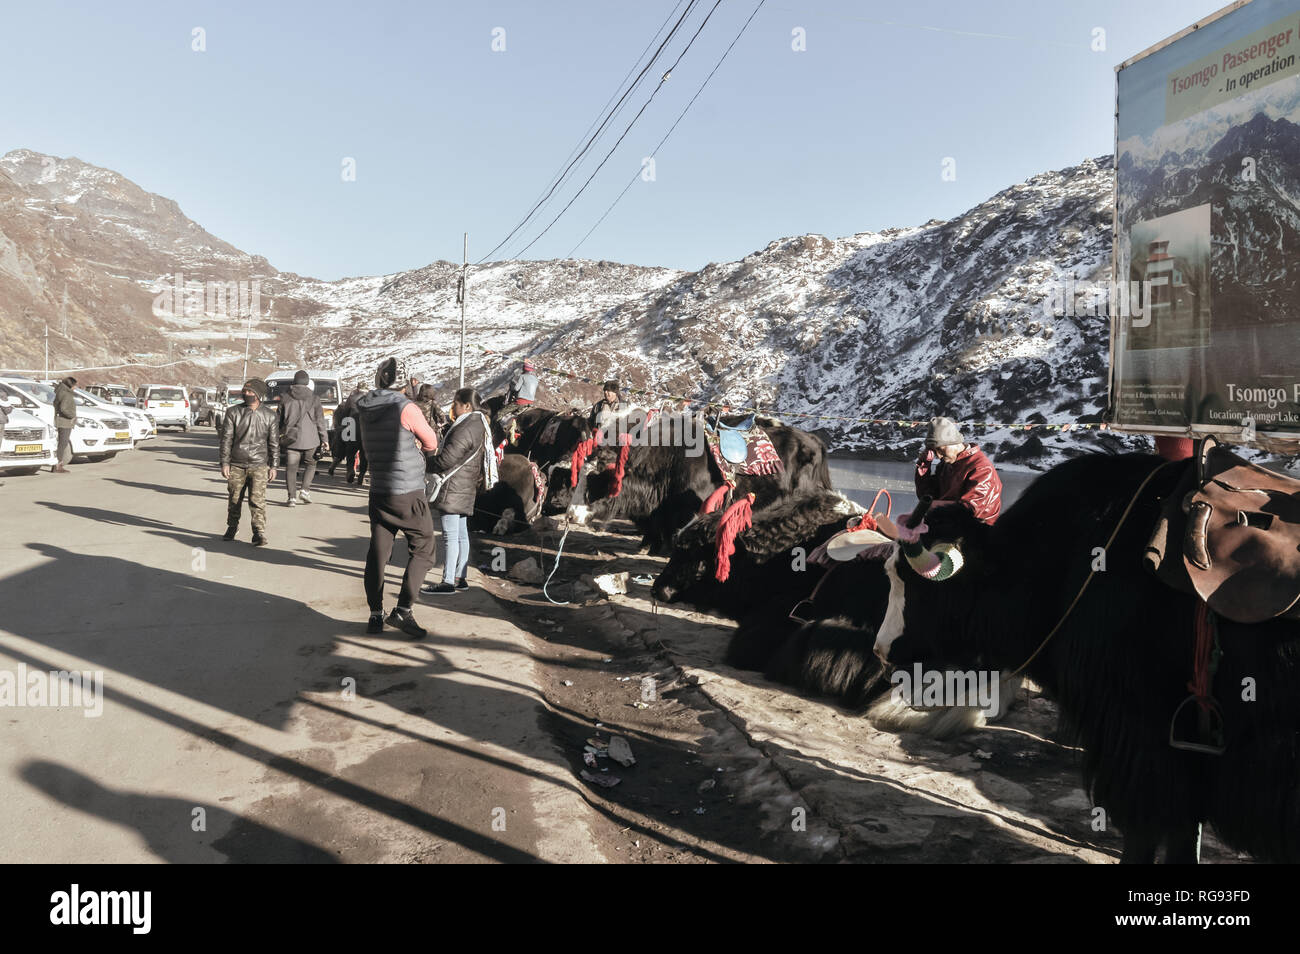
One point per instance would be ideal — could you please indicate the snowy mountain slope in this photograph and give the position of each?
(943, 318)
(946, 318)
(512, 307)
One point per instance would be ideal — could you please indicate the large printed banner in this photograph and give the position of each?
(1206, 322)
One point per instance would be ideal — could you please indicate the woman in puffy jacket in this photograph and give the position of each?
(460, 461)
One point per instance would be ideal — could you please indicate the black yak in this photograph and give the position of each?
(668, 477)
(1119, 664)
(512, 505)
(539, 435)
(827, 650)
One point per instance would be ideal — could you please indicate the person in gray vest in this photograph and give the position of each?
(395, 437)
(302, 432)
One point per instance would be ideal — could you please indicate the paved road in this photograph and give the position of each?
(226, 730)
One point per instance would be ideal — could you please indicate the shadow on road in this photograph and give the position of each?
(166, 824)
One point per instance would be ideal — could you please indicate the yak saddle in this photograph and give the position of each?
(1239, 529)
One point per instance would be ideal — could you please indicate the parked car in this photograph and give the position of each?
(168, 404)
(141, 424)
(121, 394)
(98, 434)
(28, 443)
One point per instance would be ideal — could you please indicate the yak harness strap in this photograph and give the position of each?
(1210, 738)
(539, 493)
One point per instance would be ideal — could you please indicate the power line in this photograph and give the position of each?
(607, 120)
(622, 105)
(612, 150)
(680, 117)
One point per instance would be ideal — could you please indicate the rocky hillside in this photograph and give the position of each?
(82, 249)
(947, 317)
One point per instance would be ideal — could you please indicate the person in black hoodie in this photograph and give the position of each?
(303, 431)
(460, 463)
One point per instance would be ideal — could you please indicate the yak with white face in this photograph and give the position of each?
(973, 596)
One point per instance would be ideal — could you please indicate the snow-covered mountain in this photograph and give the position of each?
(946, 318)
(943, 318)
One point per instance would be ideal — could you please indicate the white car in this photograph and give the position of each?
(167, 404)
(140, 424)
(27, 444)
(98, 433)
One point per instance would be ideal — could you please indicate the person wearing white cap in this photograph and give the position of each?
(952, 471)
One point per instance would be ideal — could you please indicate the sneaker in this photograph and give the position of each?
(376, 624)
(430, 589)
(293, 502)
(304, 497)
(402, 618)
(462, 584)
(259, 540)
(229, 534)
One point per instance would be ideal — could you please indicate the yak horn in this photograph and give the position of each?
(916, 516)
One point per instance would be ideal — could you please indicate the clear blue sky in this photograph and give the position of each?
(249, 136)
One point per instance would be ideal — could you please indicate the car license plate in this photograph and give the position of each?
(123, 435)
(28, 449)
(166, 404)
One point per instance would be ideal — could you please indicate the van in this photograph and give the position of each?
(167, 404)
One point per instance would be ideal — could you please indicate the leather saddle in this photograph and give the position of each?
(1230, 534)
(733, 439)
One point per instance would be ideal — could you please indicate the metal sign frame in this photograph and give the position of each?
(1236, 433)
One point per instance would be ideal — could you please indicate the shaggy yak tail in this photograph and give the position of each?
(835, 658)
(828, 657)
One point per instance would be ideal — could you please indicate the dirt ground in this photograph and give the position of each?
(732, 766)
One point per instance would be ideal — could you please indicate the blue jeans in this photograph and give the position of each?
(455, 542)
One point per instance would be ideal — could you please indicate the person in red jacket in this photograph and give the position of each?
(951, 471)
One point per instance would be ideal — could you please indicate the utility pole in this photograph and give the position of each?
(47, 351)
(460, 297)
(248, 331)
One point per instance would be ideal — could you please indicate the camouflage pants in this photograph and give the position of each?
(254, 478)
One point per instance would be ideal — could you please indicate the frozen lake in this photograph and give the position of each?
(860, 479)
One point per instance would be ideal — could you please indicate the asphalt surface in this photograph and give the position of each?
(245, 714)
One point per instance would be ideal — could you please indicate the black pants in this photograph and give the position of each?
(349, 450)
(292, 458)
(390, 513)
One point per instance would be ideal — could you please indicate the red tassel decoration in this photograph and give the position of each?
(580, 454)
(738, 518)
(620, 468)
(715, 499)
